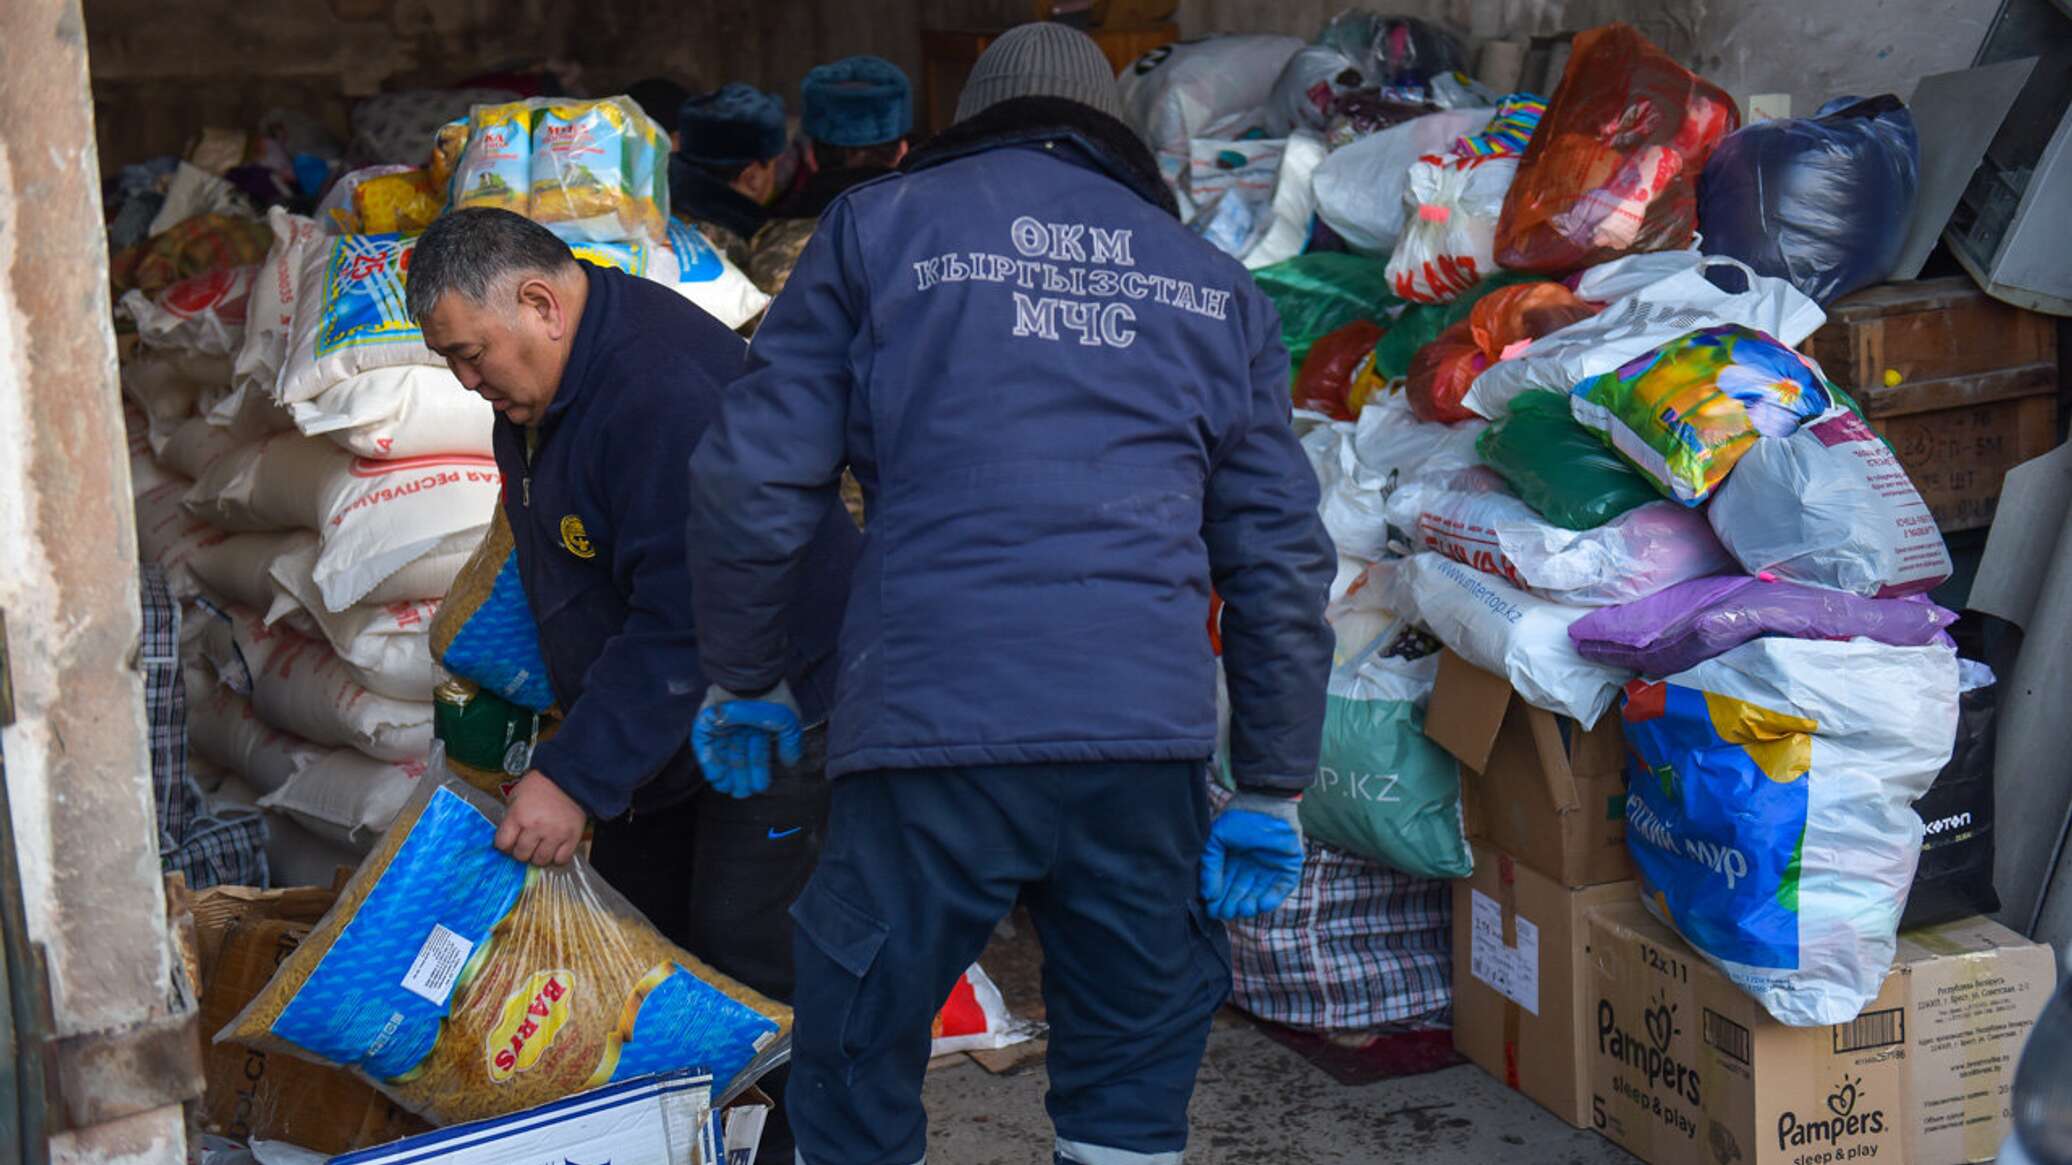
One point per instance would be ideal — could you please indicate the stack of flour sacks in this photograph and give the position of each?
(312, 477)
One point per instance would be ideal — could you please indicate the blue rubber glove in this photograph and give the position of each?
(733, 735)
(1253, 860)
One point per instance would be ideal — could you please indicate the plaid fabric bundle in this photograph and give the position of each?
(1357, 947)
(209, 848)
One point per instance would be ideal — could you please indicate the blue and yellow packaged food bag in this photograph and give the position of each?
(465, 984)
(495, 170)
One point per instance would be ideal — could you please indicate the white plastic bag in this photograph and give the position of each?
(277, 484)
(1768, 810)
(1303, 93)
(388, 413)
(1504, 630)
(270, 314)
(1386, 446)
(1217, 87)
(1618, 278)
(1232, 184)
(1470, 517)
(1661, 312)
(300, 686)
(1360, 187)
(202, 313)
(1449, 234)
(1831, 505)
(239, 569)
(1294, 202)
(345, 797)
(380, 516)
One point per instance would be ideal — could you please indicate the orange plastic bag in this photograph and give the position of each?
(1523, 312)
(1442, 370)
(1325, 382)
(1613, 167)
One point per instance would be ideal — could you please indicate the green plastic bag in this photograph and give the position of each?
(1318, 294)
(1559, 467)
(1421, 323)
(1383, 790)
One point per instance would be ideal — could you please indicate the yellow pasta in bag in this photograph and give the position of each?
(465, 984)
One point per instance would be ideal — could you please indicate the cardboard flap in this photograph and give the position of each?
(1467, 708)
(1561, 779)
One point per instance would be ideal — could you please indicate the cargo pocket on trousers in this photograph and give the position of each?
(850, 937)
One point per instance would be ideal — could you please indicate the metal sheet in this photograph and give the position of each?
(1957, 115)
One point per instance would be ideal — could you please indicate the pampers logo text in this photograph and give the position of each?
(1845, 1118)
(1048, 258)
(1650, 1057)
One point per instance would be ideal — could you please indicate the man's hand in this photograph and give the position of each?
(1253, 859)
(541, 824)
(732, 738)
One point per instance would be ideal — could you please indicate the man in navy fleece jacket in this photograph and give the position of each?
(603, 383)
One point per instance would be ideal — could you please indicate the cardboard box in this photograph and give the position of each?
(1521, 1007)
(655, 1120)
(1687, 1067)
(1539, 787)
(271, 1095)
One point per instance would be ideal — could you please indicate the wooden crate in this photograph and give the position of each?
(1977, 391)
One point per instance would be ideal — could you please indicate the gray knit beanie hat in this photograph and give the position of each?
(1041, 60)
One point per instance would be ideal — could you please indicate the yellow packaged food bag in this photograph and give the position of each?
(447, 147)
(403, 203)
(495, 168)
(593, 166)
(465, 984)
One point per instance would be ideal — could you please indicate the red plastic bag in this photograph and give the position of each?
(1613, 167)
(1327, 373)
(1442, 370)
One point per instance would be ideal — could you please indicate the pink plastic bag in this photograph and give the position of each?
(1471, 518)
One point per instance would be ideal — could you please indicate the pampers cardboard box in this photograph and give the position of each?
(1686, 1067)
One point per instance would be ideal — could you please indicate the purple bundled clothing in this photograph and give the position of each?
(1678, 628)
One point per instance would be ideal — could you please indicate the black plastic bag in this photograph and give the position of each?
(1821, 201)
(1955, 878)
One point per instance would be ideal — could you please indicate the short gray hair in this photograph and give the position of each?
(471, 251)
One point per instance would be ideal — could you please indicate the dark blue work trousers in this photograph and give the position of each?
(920, 864)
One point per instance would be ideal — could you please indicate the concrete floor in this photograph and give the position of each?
(1258, 1102)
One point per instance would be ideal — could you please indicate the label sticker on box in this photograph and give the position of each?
(437, 966)
(1512, 971)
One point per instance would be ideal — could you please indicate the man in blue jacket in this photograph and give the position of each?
(603, 383)
(1069, 417)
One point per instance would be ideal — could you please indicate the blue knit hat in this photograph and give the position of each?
(857, 101)
(731, 126)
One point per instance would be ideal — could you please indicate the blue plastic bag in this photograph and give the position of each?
(1821, 201)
